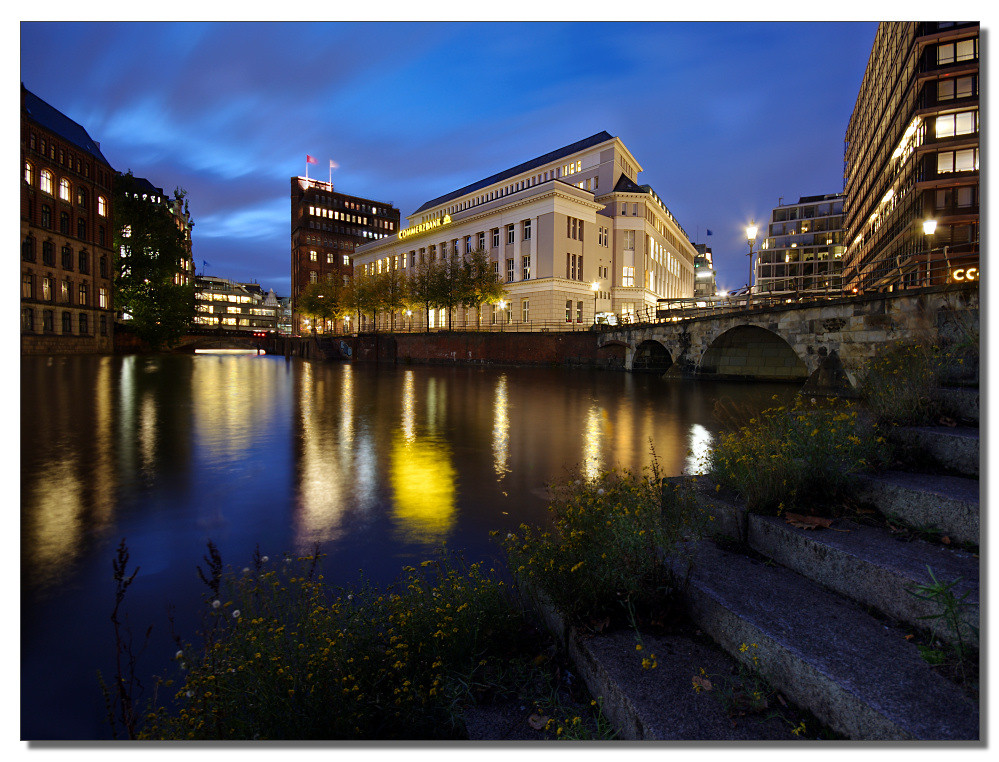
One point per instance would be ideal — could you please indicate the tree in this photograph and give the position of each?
(150, 244)
(324, 301)
(424, 286)
(394, 291)
(481, 283)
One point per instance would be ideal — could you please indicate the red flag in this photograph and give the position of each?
(311, 159)
(333, 164)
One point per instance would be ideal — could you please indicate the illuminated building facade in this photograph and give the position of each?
(912, 154)
(326, 228)
(705, 278)
(803, 250)
(571, 234)
(184, 274)
(221, 303)
(66, 232)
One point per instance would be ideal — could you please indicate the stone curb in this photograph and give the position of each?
(854, 673)
(948, 504)
(953, 449)
(868, 566)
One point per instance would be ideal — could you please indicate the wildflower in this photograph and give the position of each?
(235, 614)
(189, 694)
(264, 560)
(638, 646)
(216, 604)
(246, 570)
(743, 648)
(178, 654)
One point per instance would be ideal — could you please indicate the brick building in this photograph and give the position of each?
(66, 235)
(326, 227)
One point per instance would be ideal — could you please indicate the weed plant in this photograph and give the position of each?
(897, 383)
(796, 458)
(949, 616)
(612, 546)
(284, 656)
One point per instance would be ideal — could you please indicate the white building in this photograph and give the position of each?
(571, 234)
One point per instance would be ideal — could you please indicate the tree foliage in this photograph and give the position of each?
(149, 245)
(324, 301)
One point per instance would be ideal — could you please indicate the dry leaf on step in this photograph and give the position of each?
(807, 522)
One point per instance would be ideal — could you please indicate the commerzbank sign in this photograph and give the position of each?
(424, 227)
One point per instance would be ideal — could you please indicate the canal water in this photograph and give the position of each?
(378, 465)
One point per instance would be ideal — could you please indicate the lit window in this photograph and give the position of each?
(64, 189)
(102, 298)
(28, 173)
(102, 206)
(46, 183)
(346, 259)
(525, 310)
(628, 276)
(509, 271)
(568, 310)
(312, 255)
(526, 266)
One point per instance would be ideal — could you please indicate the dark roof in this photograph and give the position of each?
(527, 166)
(55, 121)
(626, 185)
(142, 184)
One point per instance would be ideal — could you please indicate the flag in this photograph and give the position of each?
(709, 232)
(333, 164)
(311, 159)
(204, 263)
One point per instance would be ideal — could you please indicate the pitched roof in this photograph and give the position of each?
(527, 166)
(55, 121)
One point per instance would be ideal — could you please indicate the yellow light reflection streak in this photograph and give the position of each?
(700, 446)
(501, 429)
(592, 436)
(423, 489)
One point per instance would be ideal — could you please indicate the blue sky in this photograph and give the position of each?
(725, 118)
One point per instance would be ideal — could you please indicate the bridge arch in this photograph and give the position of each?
(749, 351)
(651, 357)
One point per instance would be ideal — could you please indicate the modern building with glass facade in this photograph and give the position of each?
(802, 252)
(912, 156)
(326, 227)
(221, 303)
(571, 234)
(705, 277)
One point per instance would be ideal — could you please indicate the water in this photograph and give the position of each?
(378, 465)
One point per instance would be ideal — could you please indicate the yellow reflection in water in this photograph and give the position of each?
(592, 438)
(700, 445)
(408, 406)
(57, 520)
(234, 398)
(501, 429)
(423, 488)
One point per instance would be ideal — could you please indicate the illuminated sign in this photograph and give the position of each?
(965, 273)
(423, 227)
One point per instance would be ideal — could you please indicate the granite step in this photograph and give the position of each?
(869, 566)
(954, 449)
(945, 504)
(960, 403)
(855, 673)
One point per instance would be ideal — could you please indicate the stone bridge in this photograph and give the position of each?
(822, 343)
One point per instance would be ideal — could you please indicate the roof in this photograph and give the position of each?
(527, 166)
(57, 122)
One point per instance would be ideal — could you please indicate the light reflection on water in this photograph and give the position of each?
(378, 465)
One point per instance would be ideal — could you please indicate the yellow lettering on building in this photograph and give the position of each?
(965, 273)
(424, 227)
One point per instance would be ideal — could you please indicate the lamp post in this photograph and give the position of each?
(409, 314)
(594, 286)
(751, 238)
(929, 228)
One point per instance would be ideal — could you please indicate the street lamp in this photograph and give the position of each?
(751, 230)
(929, 228)
(594, 286)
(409, 314)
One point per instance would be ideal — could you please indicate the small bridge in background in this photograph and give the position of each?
(824, 343)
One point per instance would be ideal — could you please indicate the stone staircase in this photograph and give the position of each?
(829, 609)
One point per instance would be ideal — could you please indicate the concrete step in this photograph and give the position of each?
(946, 504)
(960, 403)
(868, 565)
(954, 449)
(855, 673)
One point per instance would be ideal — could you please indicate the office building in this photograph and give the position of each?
(232, 306)
(802, 252)
(912, 157)
(66, 235)
(326, 228)
(705, 277)
(571, 233)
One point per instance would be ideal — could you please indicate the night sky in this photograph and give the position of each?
(725, 118)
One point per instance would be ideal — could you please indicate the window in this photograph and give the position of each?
(83, 294)
(65, 294)
(313, 255)
(102, 301)
(84, 323)
(965, 50)
(28, 249)
(27, 286)
(27, 319)
(961, 123)
(579, 312)
(81, 198)
(482, 240)
(81, 228)
(46, 219)
(346, 260)
(957, 161)
(527, 230)
(64, 223)
(102, 207)
(510, 234)
(629, 239)
(525, 310)
(67, 322)
(568, 310)
(29, 173)
(100, 235)
(495, 232)
(628, 276)
(104, 267)
(46, 183)
(67, 258)
(104, 325)
(509, 271)
(48, 321)
(526, 266)
(48, 253)
(64, 190)
(313, 276)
